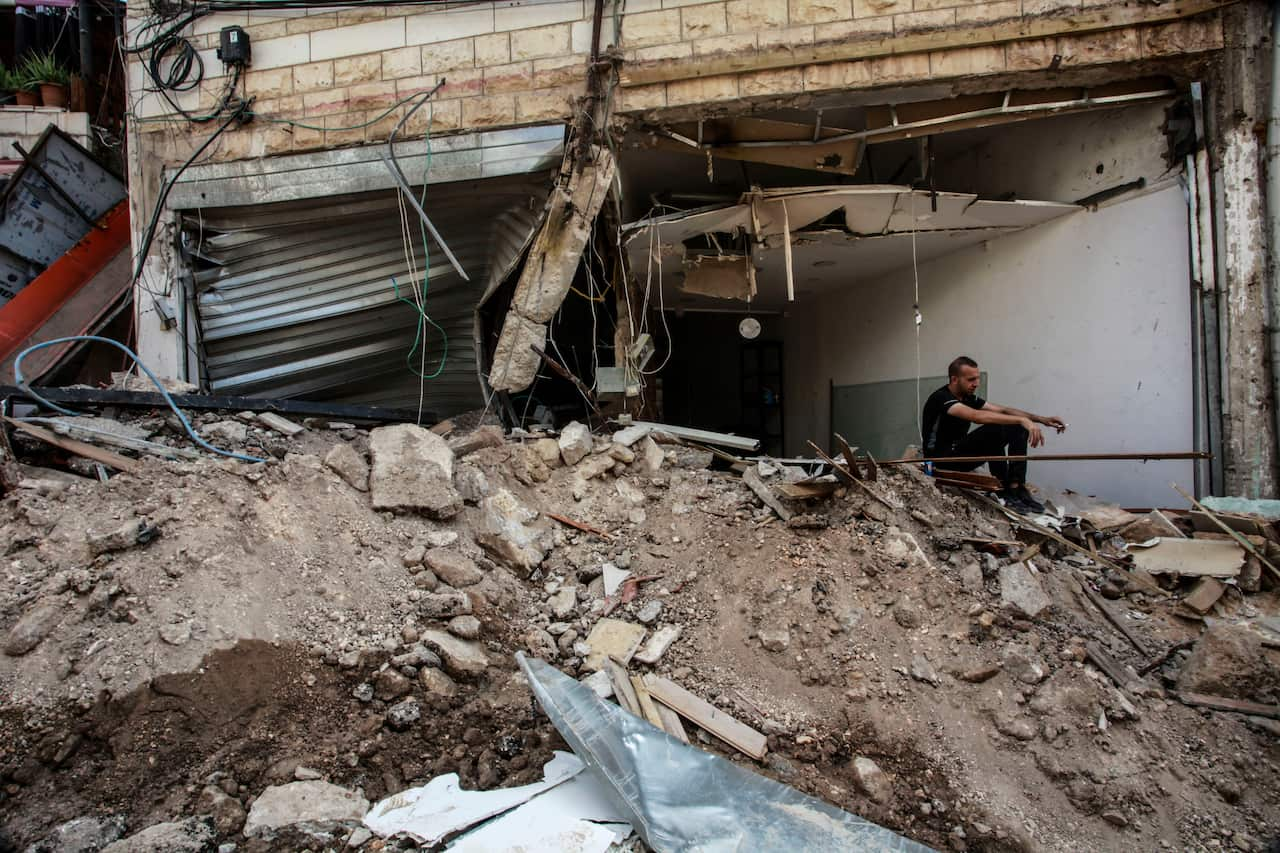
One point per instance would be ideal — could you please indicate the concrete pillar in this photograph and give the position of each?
(1239, 98)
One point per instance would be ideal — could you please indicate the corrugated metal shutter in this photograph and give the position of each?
(295, 299)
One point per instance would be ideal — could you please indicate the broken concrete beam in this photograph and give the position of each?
(282, 425)
(515, 364)
(658, 644)
(412, 471)
(477, 439)
(1204, 595)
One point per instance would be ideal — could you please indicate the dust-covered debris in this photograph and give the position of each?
(287, 628)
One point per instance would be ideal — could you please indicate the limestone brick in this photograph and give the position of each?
(448, 24)
(540, 42)
(344, 129)
(1031, 8)
(1100, 48)
(876, 8)
(967, 61)
(790, 37)
(446, 55)
(493, 49)
(647, 28)
(369, 12)
(916, 21)
(435, 117)
(262, 32)
(702, 90)
(270, 140)
(309, 24)
(489, 110)
(544, 105)
(559, 71)
(306, 138)
(462, 83)
(271, 83)
(675, 50)
(380, 35)
(754, 15)
(1190, 36)
(900, 69)
(837, 75)
(642, 98)
(402, 62)
(279, 53)
(855, 30)
(822, 11)
(737, 43)
(372, 96)
(522, 15)
(357, 69)
(703, 21)
(326, 101)
(988, 13)
(780, 81)
(1029, 54)
(513, 77)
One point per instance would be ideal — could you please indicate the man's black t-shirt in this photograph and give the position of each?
(939, 430)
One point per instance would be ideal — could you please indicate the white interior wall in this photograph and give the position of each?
(1086, 317)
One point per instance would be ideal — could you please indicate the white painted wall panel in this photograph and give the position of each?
(1086, 317)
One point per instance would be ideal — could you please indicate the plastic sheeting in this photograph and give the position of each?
(680, 798)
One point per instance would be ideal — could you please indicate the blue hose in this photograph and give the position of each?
(17, 375)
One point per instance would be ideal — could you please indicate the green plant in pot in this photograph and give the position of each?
(43, 71)
(9, 84)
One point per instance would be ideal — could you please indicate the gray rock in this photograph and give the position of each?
(599, 683)
(185, 836)
(306, 774)
(472, 485)
(651, 455)
(227, 813)
(1022, 663)
(404, 714)
(390, 684)
(453, 568)
(230, 432)
(649, 613)
(412, 471)
(436, 683)
(658, 644)
(344, 461)
(907, 614)
(466, 627)
(575, 443)
(414, 556)
(131, 534)
(564, 602)
(504, 533)
(478, 439)
(871, 780)
(444, 605)
(82, 835)
(363, 692)
(541, 644)
(1230, 661)
(418, 655)
(462, 658)
(630, 435)
(307, 803)
(1018, 728)
(30, 631)
(358, 837)
(1021, 591)
(971, 577)
(442, 538)
(922, 670)
(176, 634)
(775, 640)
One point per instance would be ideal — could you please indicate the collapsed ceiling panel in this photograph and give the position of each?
(836, 235)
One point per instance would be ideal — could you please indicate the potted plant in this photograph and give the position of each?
(9, 84)
(47, 74)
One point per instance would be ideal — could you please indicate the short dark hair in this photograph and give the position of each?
(953, 369)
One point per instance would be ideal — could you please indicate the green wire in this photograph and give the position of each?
(423, 317)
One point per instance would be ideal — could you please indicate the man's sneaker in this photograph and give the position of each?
(1020, 500)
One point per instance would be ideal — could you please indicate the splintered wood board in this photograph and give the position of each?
(705, 715)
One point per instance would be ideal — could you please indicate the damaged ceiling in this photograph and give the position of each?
(808, 240)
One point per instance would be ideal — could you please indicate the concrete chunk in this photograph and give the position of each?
(575, 443)
(303, 803)
(662, 639)
(1021, 590)
(344, 461)
(462, 658)
(413, 471)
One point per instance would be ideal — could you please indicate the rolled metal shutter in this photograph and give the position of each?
(295, 299)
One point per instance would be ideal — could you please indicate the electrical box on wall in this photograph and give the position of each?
(233, 46)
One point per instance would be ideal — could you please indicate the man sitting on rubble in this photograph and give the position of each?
(1002, 430)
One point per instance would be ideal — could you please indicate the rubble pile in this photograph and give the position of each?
(209, 654)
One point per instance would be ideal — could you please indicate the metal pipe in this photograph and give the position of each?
(1058, 457)
(1271, 165)
(1197, 324)
(404, 188)
(1209, 295)
(85, 14)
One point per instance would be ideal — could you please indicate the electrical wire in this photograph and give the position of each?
(915, 307)
(21, 383)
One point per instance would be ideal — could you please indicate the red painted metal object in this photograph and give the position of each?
(23, 317)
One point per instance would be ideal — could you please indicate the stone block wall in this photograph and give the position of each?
(25, 124)
(336, 73)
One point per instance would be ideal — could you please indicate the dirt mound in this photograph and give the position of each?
(255, 624)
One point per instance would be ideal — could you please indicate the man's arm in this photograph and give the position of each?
(993, 414)
(1049, 421)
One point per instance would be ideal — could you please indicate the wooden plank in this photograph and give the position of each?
(578, 525)
(843, 474)
(648, 709)
(765, 493)
(1245, 543)
(1104, 662)
(1238, 706)
(980, 481)
(671, 722)
(807, 491)
(282, 425)
(622, 687)
(79, 448)
(94, 437)
(790, 56)
(850, 458)
(1096, 601)
(705, 715)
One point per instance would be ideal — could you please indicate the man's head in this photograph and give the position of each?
(963, 376)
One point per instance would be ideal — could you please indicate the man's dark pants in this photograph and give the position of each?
(991, 440)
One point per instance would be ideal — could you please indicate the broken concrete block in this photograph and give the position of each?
(630, 435)
(131, 534)
(466, 627)
(436, 683)
(871, 780)
(227, 432)
(308, 803)
(1204, 595)
(477, 439)
(651, 455)
(564, 602)
(453, 568)
(658, 644)
(504, 534)
(462, 658)
(613, 638)
(923, 671)
(594, 466)
(575, 443)
(30, 631)
(81, 835)
(1230, 661)
(344, 461)
(540, 644)
(775, 640)
(1022, 663)
(472, 484)
(1021, 590)
(412, 470)
(444, 605)
(548, 450)
(515, 364)
(180, 836)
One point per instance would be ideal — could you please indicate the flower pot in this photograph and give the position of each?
(25, 98)
(53, 94)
